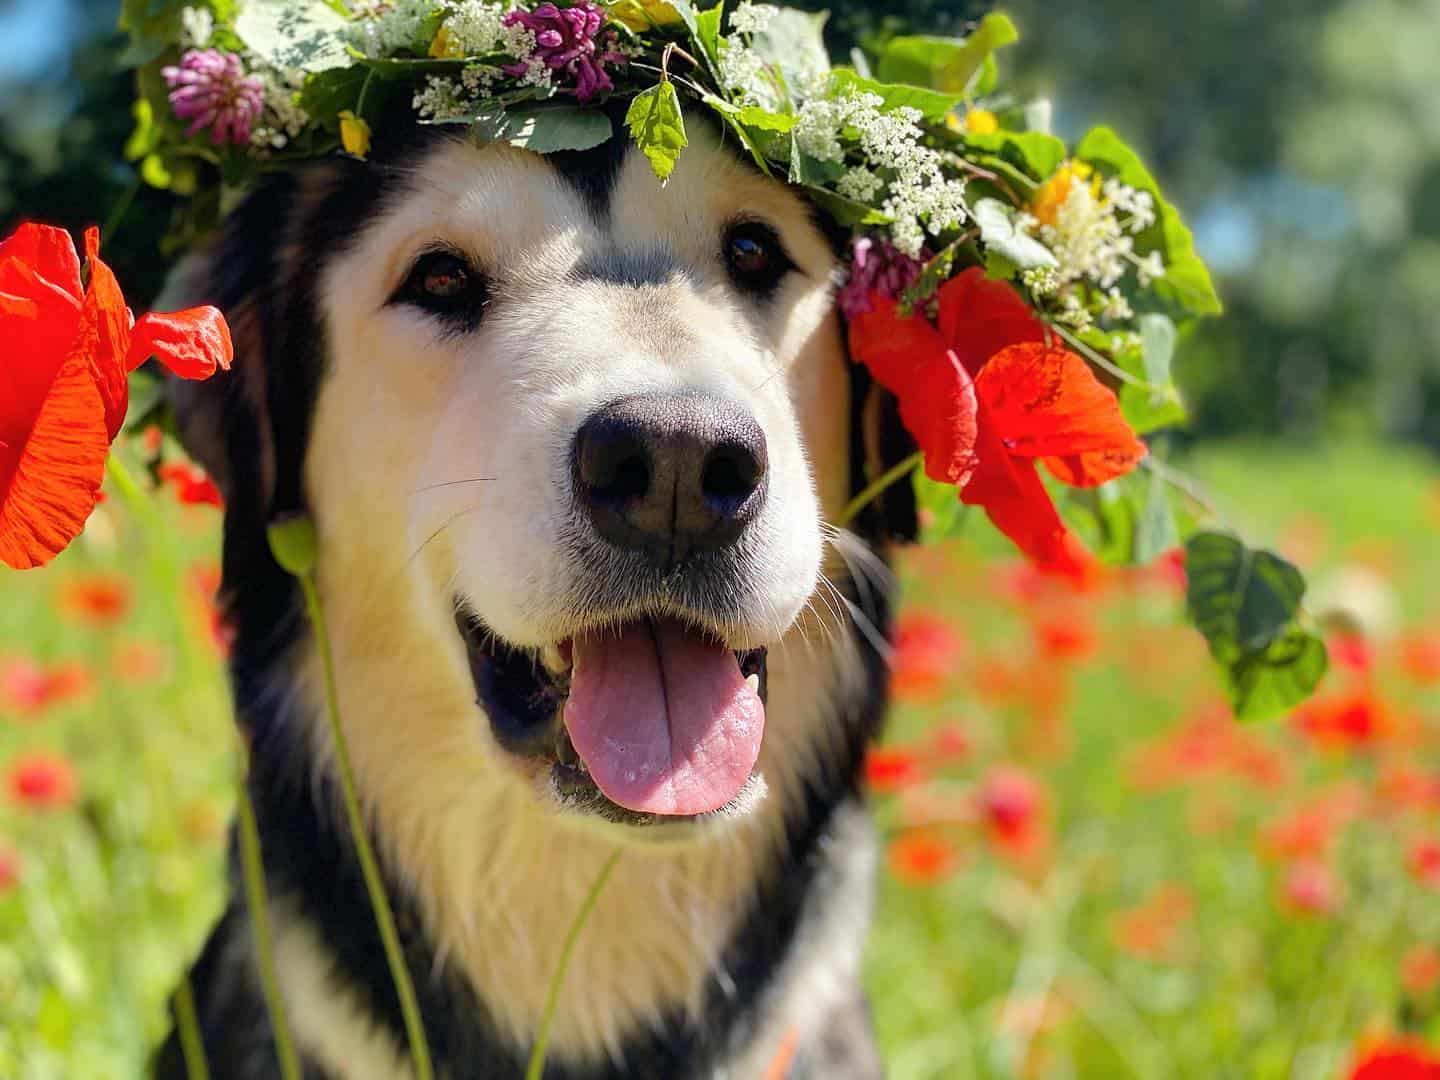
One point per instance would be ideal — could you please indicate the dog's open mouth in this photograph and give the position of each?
(647, 721)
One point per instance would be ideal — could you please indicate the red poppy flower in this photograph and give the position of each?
(986, 398)
(922, 857)
(1311, 888)
(1395, 1059)
(43, 781)
(191, 485)
(890, 769)
(29, 688)
(925, 652)
(139, 662)
(1065, 636)
(9, 869)
(1010, 803)
(1420, 657)
(1420, 970)
(63, 382)
(1424, 862)
(100, 600)
(1151, 930)
(1347, 719)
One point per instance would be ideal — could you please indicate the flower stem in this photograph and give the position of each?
(251, 864)
(384, 917)
(552, 996)
(877, 487)
(192, 1046)
(253, 869)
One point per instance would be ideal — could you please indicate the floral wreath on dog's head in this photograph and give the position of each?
(1021, 299)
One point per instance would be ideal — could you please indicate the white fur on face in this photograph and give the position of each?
(411, 415)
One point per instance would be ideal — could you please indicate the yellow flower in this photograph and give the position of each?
(444, 47)
(354, 134)
(1052, 194)
(981, 122)
(641, 15)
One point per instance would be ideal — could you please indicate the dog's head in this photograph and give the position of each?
(564, 431)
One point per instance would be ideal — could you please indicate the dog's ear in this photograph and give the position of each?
(249, 426)
(879, 442)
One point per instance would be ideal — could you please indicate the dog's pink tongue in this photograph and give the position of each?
(662, 718)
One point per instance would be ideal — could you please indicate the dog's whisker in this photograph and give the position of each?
(436, 534)
(451, 483)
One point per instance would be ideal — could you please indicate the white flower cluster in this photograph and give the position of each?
(750, 18)
(475, 27)
(920, 198)
(1093, 238)
(745, 77)
(196, 26)
(283, 118)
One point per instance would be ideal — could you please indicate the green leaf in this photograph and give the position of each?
(1271, 683)
(846, 212)
(933, 105)
(812, 172)
(793, 43)
(1157, 345)
(932, 275)
(1156, 531)
(1186, 283)
(544, 129)
(1239, 598)
(327, 93)
(753, 116)
(656, 124)
(1245, 603)
(947, 64)
(999, 234)
(943, 515)
(707, 32)
(1034, 153)
(304, 34)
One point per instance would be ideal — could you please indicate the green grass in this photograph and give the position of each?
(115, 891)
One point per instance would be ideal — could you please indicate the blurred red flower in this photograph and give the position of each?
(1351, 651)
(1423, 860)
(1311, 888)
(1011, 805)
(1346, 719)
(1420, 970)
(42, 780)
(891, 769)
(949, 743)
(29, 688)
(1151, 930)
(9, 868)
(100, 600)
(1420, 657)
(924, 654)
(1066, 636)
(922, 857)
(191, 485)
(65, 386)
(1395, 1059)
(138, 662)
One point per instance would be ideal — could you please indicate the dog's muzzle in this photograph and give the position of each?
(669, 475)
(646, 722)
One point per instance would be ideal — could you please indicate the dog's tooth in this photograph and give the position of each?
(753, 682)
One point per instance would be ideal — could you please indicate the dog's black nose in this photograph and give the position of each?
(668, 474)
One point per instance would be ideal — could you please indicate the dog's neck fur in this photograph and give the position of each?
(689, 958)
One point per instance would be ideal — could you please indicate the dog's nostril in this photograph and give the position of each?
(614, 464)
(632, 480)
(730, 475)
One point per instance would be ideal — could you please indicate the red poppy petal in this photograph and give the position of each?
(1047, 403)
(191, 343)
(49, 251)
(56, 480)
(979, 317)
(895, 349)
(104, 336)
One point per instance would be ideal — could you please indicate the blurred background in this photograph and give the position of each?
(1091, 870)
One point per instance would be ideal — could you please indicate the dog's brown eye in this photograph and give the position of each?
(445, 284)
(755, 257)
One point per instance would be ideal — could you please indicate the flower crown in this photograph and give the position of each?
(1022, 299)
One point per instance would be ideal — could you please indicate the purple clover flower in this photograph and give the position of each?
(569, 40)
(877, 266)
(210, 89)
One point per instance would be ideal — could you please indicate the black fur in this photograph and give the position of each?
(271, 258)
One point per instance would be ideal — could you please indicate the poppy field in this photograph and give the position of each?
(1089, 869)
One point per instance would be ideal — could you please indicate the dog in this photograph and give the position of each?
(571, 440)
